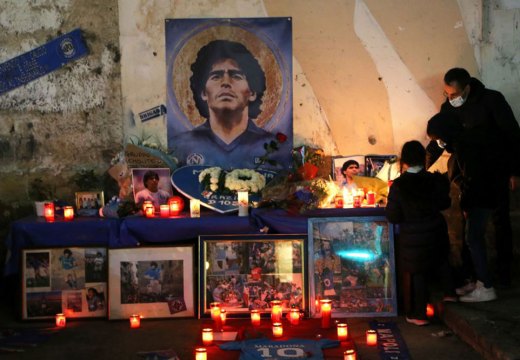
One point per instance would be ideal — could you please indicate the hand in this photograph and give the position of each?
(514, 181)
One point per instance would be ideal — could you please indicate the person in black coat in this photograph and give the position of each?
(415, 202)
(487, 119)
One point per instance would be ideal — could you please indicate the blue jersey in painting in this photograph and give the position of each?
(260, 349)
(201, 146)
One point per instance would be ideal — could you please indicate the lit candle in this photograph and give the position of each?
(255, 317)
(277, 329)
(48, 211)
(164, 210)
(223, 316)
(342, 332)
(135, 321)
(176, 205)
(68, 213)
(326, 309)
(349, 354)
(147, 203)
(430, 311)
(61, 320)
(215, 314)
(276, 311)
(149, 211)
(294, 316)
(371, 197)
(338, 202)
(195, 208)
(200, 354)
(243, 203)
(371, 337)
(207, 336)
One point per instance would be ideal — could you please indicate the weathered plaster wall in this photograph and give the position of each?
(67, 120)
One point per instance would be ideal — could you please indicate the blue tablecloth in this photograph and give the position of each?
(34, 232)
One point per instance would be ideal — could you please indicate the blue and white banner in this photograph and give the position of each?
(41, 61)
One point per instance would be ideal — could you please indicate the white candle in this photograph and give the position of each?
(194, 208)
(243, 203)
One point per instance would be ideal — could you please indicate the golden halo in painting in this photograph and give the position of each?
(181, 72)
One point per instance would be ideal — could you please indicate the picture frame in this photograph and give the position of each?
(164, 186)
(374, 164)
(245, 272)
(351, 262)
(164, 288)
(88, 203)
(338, 161)
(68, 280)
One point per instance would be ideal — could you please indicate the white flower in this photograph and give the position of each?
(245, 179)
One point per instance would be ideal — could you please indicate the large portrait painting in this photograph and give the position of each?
(352, 263)
(229, 91)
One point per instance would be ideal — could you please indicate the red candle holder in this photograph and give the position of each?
(48, 211)
(164, 211)
(277, 330)
(176, 205)
(276, 311)
(294, 316)
(201, 354)
(68, 213)
(371, 337)
(149, 211)
(326, 309)
(342, 332)
(350, 354)
(255, 317)
(61, 320)
(207, 336)
(135, 321)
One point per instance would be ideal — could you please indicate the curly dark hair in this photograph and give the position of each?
(150, 174)
(218, 50)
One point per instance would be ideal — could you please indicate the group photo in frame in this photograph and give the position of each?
(154, 282)
(351, 262)
(88, 203)
(68, 280)
(246, 272)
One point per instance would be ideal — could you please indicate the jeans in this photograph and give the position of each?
(476, 223)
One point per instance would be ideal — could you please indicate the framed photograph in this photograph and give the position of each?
(337, 164)
(69, 280)
(374, 164)
(151, 184)
(245, 272)
(351, 262)
(88, 203)
(154, 282)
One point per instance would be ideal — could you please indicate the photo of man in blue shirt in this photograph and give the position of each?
(228, 84)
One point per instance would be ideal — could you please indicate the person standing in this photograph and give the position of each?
(487, 119)
(415, 202)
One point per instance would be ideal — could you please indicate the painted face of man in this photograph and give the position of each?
(352, 170)
(227, 88)
(152, 184)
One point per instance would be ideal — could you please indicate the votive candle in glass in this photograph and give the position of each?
(194, 208)
(223, 316)
(326, 310)
(277, 329)
(146, 203)
(276, 311)
(342, 332)
(255, 317)
(371, 197)
(350, 354)
(243, 203)
(294, 316)
(135, 321)
(371, 337)
(48, 211)
(164, 210)
(149, 211)
(61, 320)
(430, 311)
(215, 314)
(200, 353)
(68, 213)
(207, 336)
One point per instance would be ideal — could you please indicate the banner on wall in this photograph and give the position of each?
(229, 92)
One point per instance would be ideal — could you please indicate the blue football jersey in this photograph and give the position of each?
(260, 349)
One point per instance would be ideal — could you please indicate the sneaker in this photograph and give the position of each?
(480, 294)
(418, 322)
(466, 289)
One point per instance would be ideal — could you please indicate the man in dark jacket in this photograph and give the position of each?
(488, 120)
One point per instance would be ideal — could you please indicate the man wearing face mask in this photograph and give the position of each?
(489, 121)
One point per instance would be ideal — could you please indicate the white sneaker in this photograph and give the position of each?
(480, 294)
(466, 289)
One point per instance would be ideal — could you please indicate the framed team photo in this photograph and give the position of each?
(246, 272)
(351, 262)
(88, 203)
(154, 282)
(68, 280)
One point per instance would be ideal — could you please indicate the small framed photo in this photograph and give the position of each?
(339, 161)
(151, 184)
(246, 272)
(154, 282)
(375, 163)
(352, 263)
(69, 280)
(88, 203)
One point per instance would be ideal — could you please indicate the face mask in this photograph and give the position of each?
(441, 143)
(457, 102)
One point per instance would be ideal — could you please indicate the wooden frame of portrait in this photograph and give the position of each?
(88, 203)
(352, 263)
(69, 280)
(162, 288)
(245, 272)
(338, 161)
